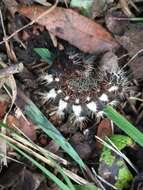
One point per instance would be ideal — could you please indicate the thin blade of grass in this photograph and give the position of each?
(42, 122)
(34, 146)
(19, 136)
(123, 124)
(42, 168)
(11, 82)
(112, 147)
(39, 119)
(26, 145)
(67, 179)
(23, 148)
(136, 19)
(47, 160)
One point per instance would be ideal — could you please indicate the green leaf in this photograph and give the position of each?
(123, 124)
(114, 164)
(45, 54)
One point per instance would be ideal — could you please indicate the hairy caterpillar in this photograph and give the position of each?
(81, 89)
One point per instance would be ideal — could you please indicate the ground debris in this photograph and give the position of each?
(95, 39)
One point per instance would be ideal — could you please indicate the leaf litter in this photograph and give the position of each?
(69, 37)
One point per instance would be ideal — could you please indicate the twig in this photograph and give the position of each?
(31, 23)
(9, 50)
(2, 23)
(12, 69)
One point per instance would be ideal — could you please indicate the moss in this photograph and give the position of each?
(119, 163)
(107, 157)
(124, 177)
(121, 141)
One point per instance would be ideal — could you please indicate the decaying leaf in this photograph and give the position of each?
(3, 105)
(78, 30)
(104, 129)
(26, 127)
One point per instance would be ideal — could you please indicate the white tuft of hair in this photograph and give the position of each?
(100, 114)
(51, 94)
(104, 98)
(77, 109)
(92, 106)
(113, 89)
(61, 107)
(48, 78)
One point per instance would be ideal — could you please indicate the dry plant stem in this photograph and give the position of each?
(2, 23)
(29, 24)
(124, 5)
(12, 69)
(73, 176)
(125, 8)
(38, 148)
(134, 6)
(11, 6)
(9, 50)
(132, 58)
(3, 147)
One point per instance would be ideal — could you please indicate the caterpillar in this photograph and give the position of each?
(81, 89)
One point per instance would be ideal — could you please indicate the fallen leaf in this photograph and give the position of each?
(53, 147)
(26, 127)
(69, 25)
(3, 105)
(104, 129)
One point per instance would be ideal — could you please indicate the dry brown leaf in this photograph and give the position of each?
(4, 100)
(104, 129)
(26, 127)
(69, 25)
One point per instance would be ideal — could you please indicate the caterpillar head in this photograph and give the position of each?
(81, 89)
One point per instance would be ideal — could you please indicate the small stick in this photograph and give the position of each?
(10, 70)
(9, 50)
(30, 23)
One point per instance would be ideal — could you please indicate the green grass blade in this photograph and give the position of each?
(23, 146)
(87, 187)
(29, 144)
(123, 124)
(136, 19)
(67, 179)
(42, 122)
(42, 168)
